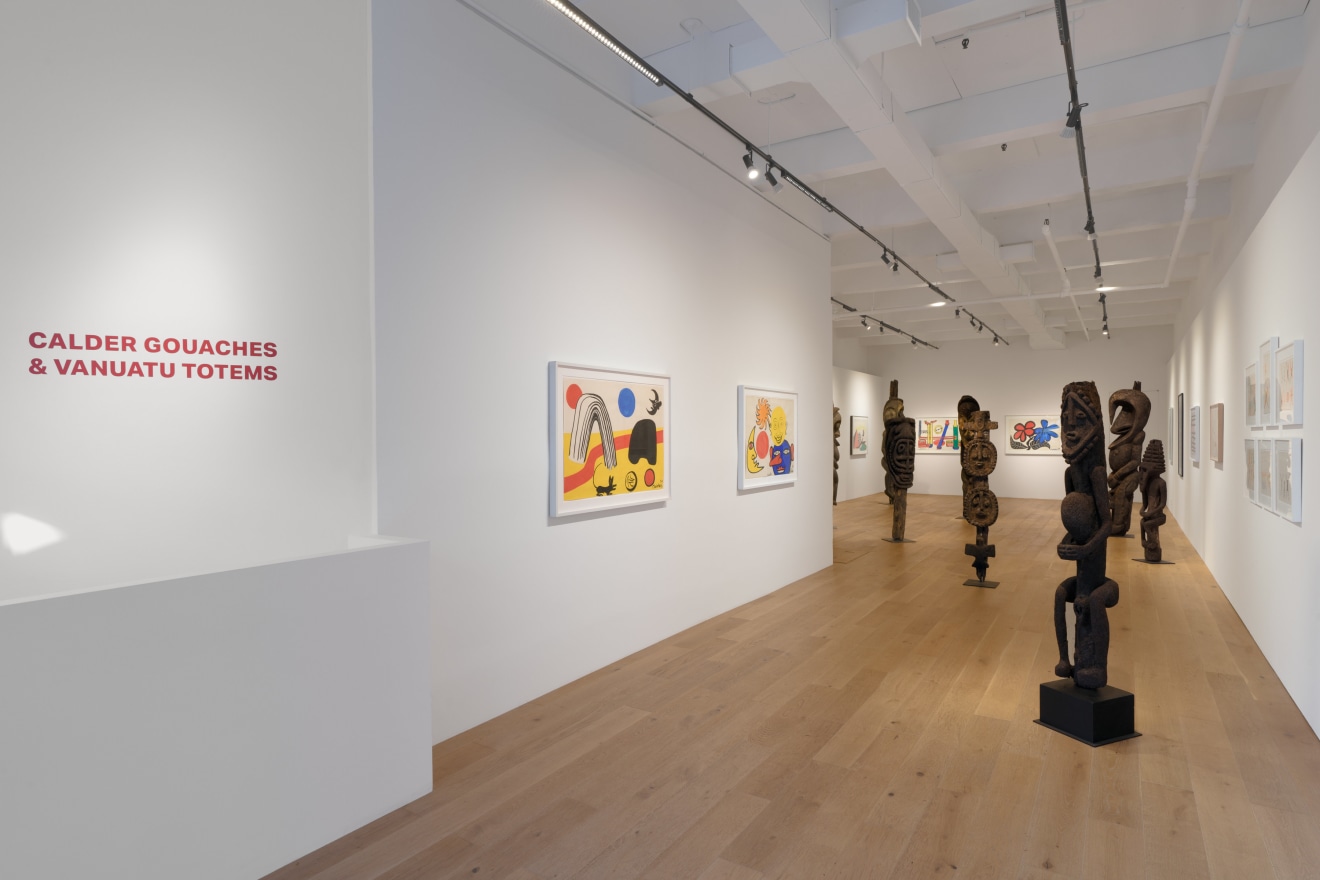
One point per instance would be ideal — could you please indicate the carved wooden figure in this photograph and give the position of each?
(1129, 409)
(1086, 516)
(899, 457)
(980, 505)
(1154, 495)
(838, 425)
(966, 406)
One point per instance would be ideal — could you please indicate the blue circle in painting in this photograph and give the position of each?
(627, 402)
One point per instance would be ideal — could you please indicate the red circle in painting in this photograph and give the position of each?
(571, 395)
(650, 477)
(762, 444)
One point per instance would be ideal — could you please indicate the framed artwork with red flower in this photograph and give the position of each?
(1033, 435)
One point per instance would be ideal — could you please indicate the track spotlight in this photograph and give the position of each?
(957, 313)
(884, 256)
(771, 179)
(895, 266)
(1106, 330)
(1074, 119)
(865, 325)
(996, 340)
(752, 173)
(914, 342)
(971, 321)
(980, 327)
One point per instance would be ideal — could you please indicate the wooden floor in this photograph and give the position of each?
(875, 720)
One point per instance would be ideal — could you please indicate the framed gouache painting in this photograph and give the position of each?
(1253, 398)
(767, 437)
(938, 435)
(857, 427)
(1288, 384)
(1265, 381)
(609, 439)
(1288, 478)
(1251, 470)
(1214, 434)
(1265, 474)
(1033, 435)
(1194, 435)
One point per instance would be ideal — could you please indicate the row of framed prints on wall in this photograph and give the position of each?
(610, 438)
(1274, 385)
(1033, 434)
(1274, 475)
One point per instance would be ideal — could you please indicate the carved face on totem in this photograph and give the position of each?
(981, 458)
(1083, 425)
(1129, 410)
(901, 443)
(982, 507)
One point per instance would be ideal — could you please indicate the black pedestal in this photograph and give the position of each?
(973, 582)
(899, 541)
(1148, 562)
(1096, 717)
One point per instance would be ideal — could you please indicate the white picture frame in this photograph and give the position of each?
(1033, 434)
(589, 474)
(1288, 478)
(1194, 436)
(763, 416)
(859, 429)
(1265, 408)
(1288, 374)
(1250, 416)
(1265, 474)
(1214, 434)
(938, 435)
(1250, 452)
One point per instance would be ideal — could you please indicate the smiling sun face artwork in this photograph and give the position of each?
(768, 426)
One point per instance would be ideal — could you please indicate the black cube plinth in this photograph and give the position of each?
(1095, 717)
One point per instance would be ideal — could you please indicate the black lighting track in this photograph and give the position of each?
(591, 26)
(884, 325)
(1074, 121)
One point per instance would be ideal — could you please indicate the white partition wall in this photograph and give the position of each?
(216, 726)
(522, 217)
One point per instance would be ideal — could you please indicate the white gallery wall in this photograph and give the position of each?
(1265, 565)
(860, 394)
(523, 217)
(190, 171)
(1006, 380)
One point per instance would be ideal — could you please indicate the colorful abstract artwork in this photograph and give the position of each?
(857, 427)
(610, 439)
(938, 435)
(767, 437)
(1033, 435)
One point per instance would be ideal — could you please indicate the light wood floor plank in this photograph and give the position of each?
(875, 720)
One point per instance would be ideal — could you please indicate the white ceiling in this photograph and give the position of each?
(948, 153)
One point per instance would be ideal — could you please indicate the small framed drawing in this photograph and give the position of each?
(1251, 470)
(1170, 436)
(1288, 478)
(1182, 434)
(1253, 398)
(857, 427)
(1265, 474)
(1265, 381)
(609, 439)
(1214, 434)
(1194, 435)
(1288, 383)
(938, 435)
(767, 437)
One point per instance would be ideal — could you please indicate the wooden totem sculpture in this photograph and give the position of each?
(899, 457)
(838, 425)
(1086, 516)
(980, 505)
(1154, 495)
(1129, 409)
(966, 406)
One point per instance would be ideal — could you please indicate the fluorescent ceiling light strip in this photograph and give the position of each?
(590, 27)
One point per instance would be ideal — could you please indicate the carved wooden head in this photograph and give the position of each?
(981, 507)
(1129, 410)
(900, 451)
(1081, 421)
